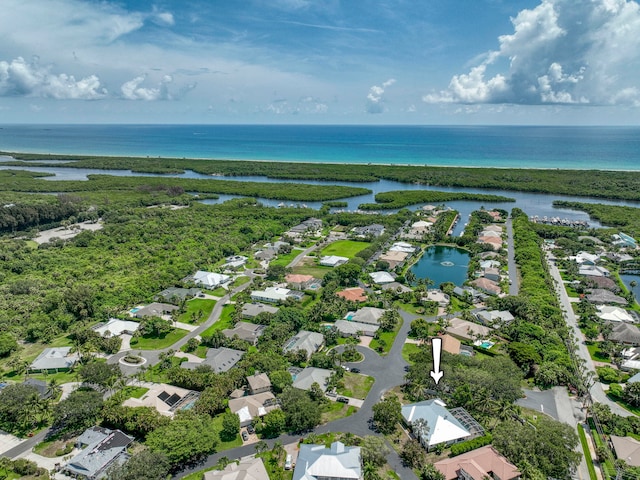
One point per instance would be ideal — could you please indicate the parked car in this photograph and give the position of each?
(245, 436)
(342, 399)
(355, 370)
(251, 430)
(288, 462)
(345, 367)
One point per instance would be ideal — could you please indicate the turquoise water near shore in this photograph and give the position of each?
(610, 148)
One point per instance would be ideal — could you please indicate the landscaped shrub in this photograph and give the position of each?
(464, 447)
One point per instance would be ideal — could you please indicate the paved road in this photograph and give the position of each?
(388, 373)
(597, 392)
(511, 261)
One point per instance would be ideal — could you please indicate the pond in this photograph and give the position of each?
(443, 264)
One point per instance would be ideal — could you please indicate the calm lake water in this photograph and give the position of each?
(627, 279)
(443, 264)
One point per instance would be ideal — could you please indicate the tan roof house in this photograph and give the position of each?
(450, 344)
(465, 330)
(627, 449)
(249, 468)
(252, 406)
(487, 285)
(393, 258)
(478, 464)
(259, 383)
(299, 282)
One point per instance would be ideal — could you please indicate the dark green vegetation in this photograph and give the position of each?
(603, 184)
(404, 198)
(616, 216)
(20, 181)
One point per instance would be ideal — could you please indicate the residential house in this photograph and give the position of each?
(625, 333)
(300, 282)
(381, 277)
(272, 295)
(303, 379)
(177, 295)
(438, 296)
(627, 449)
(310, 342)
(354, 329)
(491, 274)
(493, 228)
(258, 383)
(634, 379)
(450, 344)
(209, 279)
(252, 310)
(369, 315)
(601, 296)
(614, 314)
(333, 261)
(219, 359)
(374, 230)
(355, 294)
(489, 255)
(116, 327)
(489, 264)
(162, 310)
(619, 257)
(248, 468)
(338, 462)
(465, 330)
(166, 399)
(309, 225)
(586, 258)
(249, 332)
(623, 240)
(490, 233)
(403, 247)
(480, 464)
(102, 448)
(396, 287)
(234, 262)
(493, 317)
(442, 426)
(497, 217)
(493, 242)
(393, 258)
(468, 293)
(593, 271)
(44, 391)
(487, 285)
(250, 407)
(55, 358)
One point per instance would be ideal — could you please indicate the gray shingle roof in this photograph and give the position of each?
(104, 446)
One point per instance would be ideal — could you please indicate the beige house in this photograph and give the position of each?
(258, 383)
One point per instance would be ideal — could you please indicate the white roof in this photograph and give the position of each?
(421, 224)
(614, 314)
(404, 247)
(582, 257)
(271, 293)
(210, 279)
(443, 426)
(382, 277)
(332, 260)
(117, 327)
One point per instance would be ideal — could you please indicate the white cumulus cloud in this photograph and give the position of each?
(375, 97)
(21, 78)
(133, 89)
(560, 52)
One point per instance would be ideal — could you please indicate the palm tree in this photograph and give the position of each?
(53, 388)
(278, 450)
(370, 472)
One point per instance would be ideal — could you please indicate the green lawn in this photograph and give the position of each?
(355, 385)
(335, 410)
(314, 271)
(197, 310)
(387, 338)
(286, 258)
(134, 392)
(344, 248)
(156, 343)
(236, 442)
(408, 349)
(587, 453)
(241, 280)
(594, 351)
(225, 321)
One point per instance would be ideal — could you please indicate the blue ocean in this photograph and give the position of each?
(609, 148)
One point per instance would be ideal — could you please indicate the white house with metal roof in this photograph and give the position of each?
(443, 427)
(339, 462)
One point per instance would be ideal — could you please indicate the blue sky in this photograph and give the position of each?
(320, 61)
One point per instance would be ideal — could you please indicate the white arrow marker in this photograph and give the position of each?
(436, 373)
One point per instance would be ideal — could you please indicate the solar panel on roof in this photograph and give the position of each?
(163, 396)
(172, 400)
